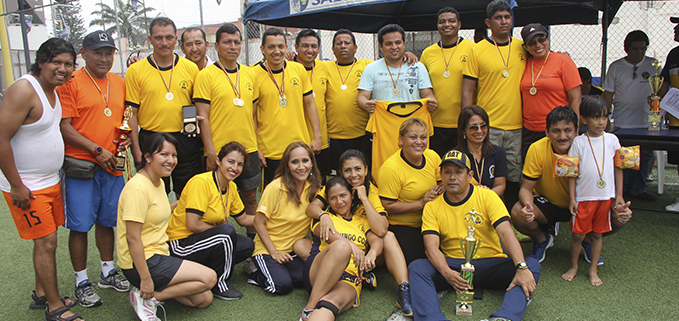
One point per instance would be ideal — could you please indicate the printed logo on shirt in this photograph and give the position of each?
(463, 58)
(491, 171)
(645, 75)
(522, 57)
(358, 73)
(294, 81)
(184, 85)
(248, 86)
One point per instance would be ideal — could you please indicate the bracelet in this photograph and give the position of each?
(323, 212)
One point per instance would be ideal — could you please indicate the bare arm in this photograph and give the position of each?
(376, 246)
(432, 249)
(608, 96)
(432, 104)
(134, 136)
(136, 248)
(378, 224)
(262, 159)
(206, 135)
(260, 227)
(571, 191)
(312, 115)
(526, 199)
(245, 220)
(499, 185)
(575, 98)
(523, 277)
(314, 210)
(397, 207)
(364, 102)
(619, 200)
(106, 159)
(468, 88)
(195, 225)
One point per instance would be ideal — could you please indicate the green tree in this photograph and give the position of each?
(68, 22)
(133, 23)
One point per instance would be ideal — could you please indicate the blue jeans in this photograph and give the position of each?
(634, 182)
(491, 273)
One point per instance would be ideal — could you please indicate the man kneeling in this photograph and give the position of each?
(444, 224)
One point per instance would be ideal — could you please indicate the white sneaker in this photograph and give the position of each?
(673, 207)
(249, 266)
(145, 309)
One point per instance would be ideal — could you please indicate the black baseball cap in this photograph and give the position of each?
(457, 157)
(98, 39)
(531, 30)
(674, 19)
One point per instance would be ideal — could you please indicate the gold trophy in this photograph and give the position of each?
(656, 82)
(470, 245)
(123, 130)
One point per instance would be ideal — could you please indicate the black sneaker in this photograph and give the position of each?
(403, 299)
(228, 295)
(369, 280)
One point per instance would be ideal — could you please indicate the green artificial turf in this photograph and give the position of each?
(640, 280)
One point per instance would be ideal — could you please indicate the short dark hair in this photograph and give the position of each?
(340, 180)
(192, 29)
(392, 27)
(273, 31)
(593, 106)
(48, 50)
(154, 144)
(307, 33)
(161, 22)
(634, 36)
(448, 9)
(343, 32)
(228, 28)
(234, 146)
(565, 113)
(585, 74)
(495, 6)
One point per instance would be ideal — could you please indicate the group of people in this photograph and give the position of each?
(410, 142)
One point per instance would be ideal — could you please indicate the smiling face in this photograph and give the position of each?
(354, 171)
(58, 70)
(194, 46)
(300, 164)
(415, 141)
(274, 51)
(163, 39)
(163, 162)
(344, 48)
(448, 25)
(561, 136)
(538, 46)
(455, 179)
(340, 199)
(231, 166)
(393, 46)
(307, 49)
(477, 130)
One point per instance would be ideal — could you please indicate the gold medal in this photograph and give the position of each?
(601, 183)
(395, 92)
(505, 73)
(283, 102)
(107, 112)
(238, 102)
(533, 91)
(534, 79)
(344, 87)
(169, 96)
(446, 74)
(395, 83)
(190, 128)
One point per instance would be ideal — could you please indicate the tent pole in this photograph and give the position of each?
(604, 40)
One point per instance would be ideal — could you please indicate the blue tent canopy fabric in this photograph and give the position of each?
(415, 15)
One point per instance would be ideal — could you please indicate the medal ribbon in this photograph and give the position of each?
(161, 75)
(451, 55)
(389, 71)
(281, 89)
(236, 87)
(509, 53)
(534, 80)
(108, 87)
(603, 156)
(343, 80)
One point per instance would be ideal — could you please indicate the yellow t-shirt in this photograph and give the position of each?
(373, 197)
(345, 119)
(539, 166)
(140, 201)
(278, 126)
(403, 182)
(499, 96)
(318, 75)
(146, 90)
(355, 230)
(286, 221)
(446, 219)
(228, 121)
(385, 123)
(448, 91)
(202, 197)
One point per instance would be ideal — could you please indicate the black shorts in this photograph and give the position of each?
(529, 137)
(410, 240)
(270, 170)
(551, 212)
(323, 161)
(251, 177)
(672, 156)
(443, 140)
(339, 146)
(162, 269)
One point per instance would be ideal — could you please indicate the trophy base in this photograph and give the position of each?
(120, 163)
(654, 118)
(463, 310)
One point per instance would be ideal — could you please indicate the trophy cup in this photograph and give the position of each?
(123, 130)
(655, 81)
(470, 245)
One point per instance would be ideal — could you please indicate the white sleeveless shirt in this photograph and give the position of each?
(38, 147)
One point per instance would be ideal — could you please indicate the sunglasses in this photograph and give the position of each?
(534, 42)
(477, 127)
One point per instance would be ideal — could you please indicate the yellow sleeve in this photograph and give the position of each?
(430, 223)
(390, 183)
(269, 199)
(197, 194)
(374, 198)
(255, 83)
(135, 204)
(305, 80)
(495, 207)
(201, 88)
(532, 166)
(132, 94)
(236, 207)
(471, 68)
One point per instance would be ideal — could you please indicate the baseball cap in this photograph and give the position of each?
(98, 39)
(531, 30)
(457, 157)
(674, 19)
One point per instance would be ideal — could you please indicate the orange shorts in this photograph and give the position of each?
(44, 216)
(592, 216)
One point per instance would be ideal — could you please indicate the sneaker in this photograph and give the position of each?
(645, 196)
(496, 319)
(305, 315)
(145, 309)
(249, 266)
(673, 207)
(115, 281)
(84, 294)
(369, 280)
(229, 295)
(587, 253)
(650, 177)
(539, 249)
(403, 299)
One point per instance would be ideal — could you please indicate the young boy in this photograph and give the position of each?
(599, 183)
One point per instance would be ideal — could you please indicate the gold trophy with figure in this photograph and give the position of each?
(469, 245)
(656, 82)
(123, 130)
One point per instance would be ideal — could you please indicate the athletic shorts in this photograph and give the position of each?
(44, 216)
(443, 140)
(592, 216)
(251, 177)
(162, 268)
(551, 212)
(323, 161)
(529, 137)
(510, 140)
(346, 278)
(339, 146)
(90, 201)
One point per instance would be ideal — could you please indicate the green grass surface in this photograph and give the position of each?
(640, 281)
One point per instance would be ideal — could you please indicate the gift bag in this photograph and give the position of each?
(566, 166)
(627, 157)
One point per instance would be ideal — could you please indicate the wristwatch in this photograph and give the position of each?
(97, 151)
(522, 265)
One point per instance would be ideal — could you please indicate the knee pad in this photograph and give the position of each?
(328, 305)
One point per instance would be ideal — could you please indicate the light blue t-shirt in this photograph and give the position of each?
(375, 78)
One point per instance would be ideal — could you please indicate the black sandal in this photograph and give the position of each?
(40, 302)
(56, 314)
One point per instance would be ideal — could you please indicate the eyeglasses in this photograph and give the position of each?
(477, 127)
(534, 42)
(634, 72)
